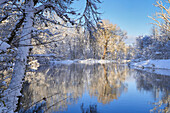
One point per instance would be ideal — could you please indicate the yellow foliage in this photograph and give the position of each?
(110, 37)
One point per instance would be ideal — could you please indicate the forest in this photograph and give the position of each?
(56, 58)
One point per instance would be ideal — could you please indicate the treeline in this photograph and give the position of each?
(148, 47)
(157, 45)
(107, 42)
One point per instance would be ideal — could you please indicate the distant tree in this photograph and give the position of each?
(155, 32)
(109, 36)
(29, 11)
(157, 45)
(160, 47)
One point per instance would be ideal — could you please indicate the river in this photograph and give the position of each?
(97, 88)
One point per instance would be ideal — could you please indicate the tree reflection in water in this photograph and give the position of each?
(103, 81)
(155, 83)
(64, 85)
(110, 84)
(90, 109)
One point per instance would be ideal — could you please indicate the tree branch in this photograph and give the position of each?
(13, 33)
(3, 1)
(3, 18)
(43, 43)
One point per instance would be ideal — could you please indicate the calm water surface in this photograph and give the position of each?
(108, 88)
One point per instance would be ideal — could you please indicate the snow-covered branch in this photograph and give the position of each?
(3, 18)
(4, 1)
(42, 43)
(42, 7)
(16, 27)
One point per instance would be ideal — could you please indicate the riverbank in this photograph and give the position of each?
(161, 67)
(87, 61)
(155, 64)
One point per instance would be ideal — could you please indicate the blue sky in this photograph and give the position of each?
(130, 15)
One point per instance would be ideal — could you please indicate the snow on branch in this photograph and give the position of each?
(43, 31)
(3, 1)
(164, 14)
(16, 27)
(42, 43)
(3, 18)
(60, 13)
(42, 7)
(49, 20)
(4, 46)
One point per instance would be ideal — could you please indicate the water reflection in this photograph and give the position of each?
(109, 84)
(90, 109)
(155, 83)
(52, 89)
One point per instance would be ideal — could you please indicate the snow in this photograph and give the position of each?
(43, 55)
(161, 67)
(68, 62)
(154, 64)
(4, 46)
(13, 92)
(95, 61)
(3, 1)
(87, 61)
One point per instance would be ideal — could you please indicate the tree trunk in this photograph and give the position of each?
(105, 73)
(21, 59)
(105, 45)
(105, 50)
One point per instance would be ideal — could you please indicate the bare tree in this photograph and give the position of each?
(162, 18)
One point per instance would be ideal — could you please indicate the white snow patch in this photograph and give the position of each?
(155, 64)
(43, 55)
(68, 62)
(95, 61)
(4, 46)
(87, 61)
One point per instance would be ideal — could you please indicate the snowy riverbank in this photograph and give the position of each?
(87, 61)
(154, 66)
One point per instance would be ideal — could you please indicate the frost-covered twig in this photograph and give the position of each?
(42, 43)
(16, 27)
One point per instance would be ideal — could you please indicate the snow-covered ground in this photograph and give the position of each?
(87, 61)
(94, 61)
(155, 66)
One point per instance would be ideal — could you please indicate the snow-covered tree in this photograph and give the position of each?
(29, 11)
(157, 45)
(26, 33)
(162, 18)
(149, 47)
